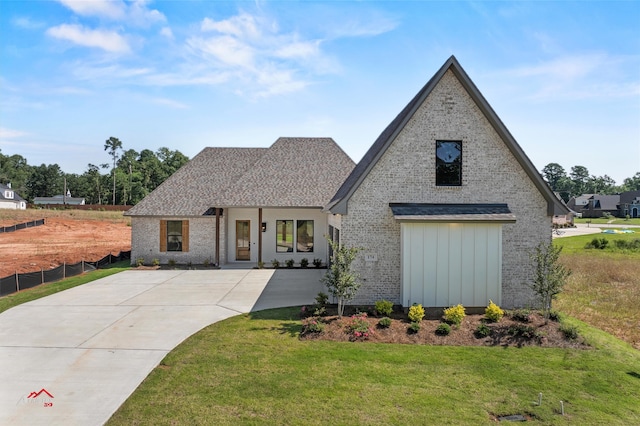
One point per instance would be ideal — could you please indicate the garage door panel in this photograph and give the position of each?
(455, 262)
(442, 268)
(467, 265)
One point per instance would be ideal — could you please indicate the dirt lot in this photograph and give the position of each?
(67, 236)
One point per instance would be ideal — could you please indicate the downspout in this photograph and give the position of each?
(260, 236)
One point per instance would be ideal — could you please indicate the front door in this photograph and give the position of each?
(243, 242)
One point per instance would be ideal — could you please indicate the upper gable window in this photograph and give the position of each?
(448, 163)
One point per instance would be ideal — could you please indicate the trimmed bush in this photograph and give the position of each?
(569, 331)
(304, 262)
(493, 313)
(414, 327)
(454, 315)
(443, 329)
(482, 331)
(384, 307)
(384, 322)
(416, 313)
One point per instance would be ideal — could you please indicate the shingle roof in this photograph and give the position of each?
(452, 212)
(338, 203)
(604, 202)
(293, 172)
(16, 197)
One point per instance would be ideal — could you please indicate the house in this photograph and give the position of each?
(578, 203)
(601, 205)
(243, 205)
(59, 200)
(10, 200)
(630, 204)
(445, 205)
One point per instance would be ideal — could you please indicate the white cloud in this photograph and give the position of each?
(112, 9)
(169, 102)
(135, 12)
(243, 26)
(166, 32)
(109, 41)
(11, 133)
(26, 23)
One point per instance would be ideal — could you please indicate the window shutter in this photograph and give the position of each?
(185, 235)
(163, 235)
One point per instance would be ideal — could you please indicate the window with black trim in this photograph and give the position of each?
(284, 236)
(448, 163)
(304, 237)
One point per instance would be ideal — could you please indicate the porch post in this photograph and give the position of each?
(259, 235)
(217, 236)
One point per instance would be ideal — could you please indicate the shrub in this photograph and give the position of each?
(156, 262)
(312, 325)
(289, 263)
(493, 313)
(555, 316)
(414, 327)
(317, 263)
(384, 322)
(454, 315)
(597, 243)
(416, 313)
(570, 332)
(522, 315)
(358, 327)
(384, 307)
(482, 331)
(304, 262)
(260, 264)
(521, 330)
(628, 245)
(172, 262)
(206, 263)
(275, 263)
(443, 329)
(140, 261)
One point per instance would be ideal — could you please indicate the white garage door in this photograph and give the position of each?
(444, 264)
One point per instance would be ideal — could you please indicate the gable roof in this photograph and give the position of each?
(293, 172)
(338, 203)
(604, 202)
(16, 197)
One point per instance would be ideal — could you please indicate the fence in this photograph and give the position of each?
(25, 225)
(17, 282)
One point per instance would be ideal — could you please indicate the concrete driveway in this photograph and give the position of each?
(74, 357)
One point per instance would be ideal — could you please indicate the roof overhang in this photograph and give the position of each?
(426, 212)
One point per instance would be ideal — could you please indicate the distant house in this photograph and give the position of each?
(10, 200)
(59, 200)
(630, 204)
(600, 205)
(445, 204)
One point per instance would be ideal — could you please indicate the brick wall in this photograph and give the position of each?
(145, 240)
(406, 173)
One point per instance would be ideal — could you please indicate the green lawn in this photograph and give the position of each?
(613, 220)
(253, 369)
(577, 244)
(43, 290)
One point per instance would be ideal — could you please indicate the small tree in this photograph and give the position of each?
(340, 281)
(550, 276)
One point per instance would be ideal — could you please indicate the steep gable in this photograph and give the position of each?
(339, 203)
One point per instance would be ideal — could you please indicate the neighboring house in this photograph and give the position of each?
(563, 220)
(630, 204)
(578, 203)
(243, 205)
(10, 200)
(59, 200)
(445, 205)
(598, 205)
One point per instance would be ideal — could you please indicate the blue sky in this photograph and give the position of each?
(563, 76)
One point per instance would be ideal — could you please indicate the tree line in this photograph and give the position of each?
(126, 180)
(579, 182)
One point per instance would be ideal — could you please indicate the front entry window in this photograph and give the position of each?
(284, 236)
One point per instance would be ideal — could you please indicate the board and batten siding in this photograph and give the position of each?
(444, 264)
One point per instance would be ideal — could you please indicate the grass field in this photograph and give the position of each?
(253, 369)
(11, 217)
(613, 220)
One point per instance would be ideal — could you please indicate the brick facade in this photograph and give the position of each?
(405, 173)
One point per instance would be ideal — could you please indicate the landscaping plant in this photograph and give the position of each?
(493, 313)
(416, 313)
(384, 307)
(454, 315)
(550, 275)
(341, 282)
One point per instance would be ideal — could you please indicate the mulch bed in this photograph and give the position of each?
(538, 332)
